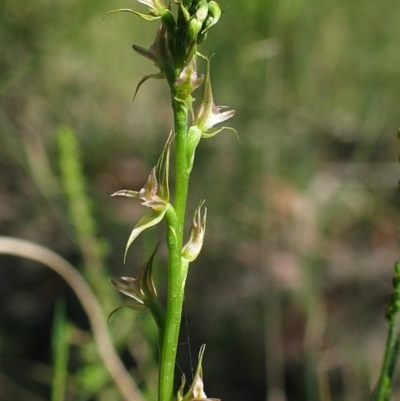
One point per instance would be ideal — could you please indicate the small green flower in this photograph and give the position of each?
(148, 194)
(149, 220)
(193, 247)
(208, 114)
(142, 292)
(187, 82)
(141, 288)
(196, 390)
(154, 195)
(156, 9)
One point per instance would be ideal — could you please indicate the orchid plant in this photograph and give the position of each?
(184, 25)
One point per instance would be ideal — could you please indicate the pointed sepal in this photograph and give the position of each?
(147, 221)
(154, 195)
(158, 50)
(196, 390)
(208, 114)
(148, 194)
(141, 289)
(159, 75)
(147, 17)
(162, 169)
(143, 294)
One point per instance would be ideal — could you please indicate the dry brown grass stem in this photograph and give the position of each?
(107, 352)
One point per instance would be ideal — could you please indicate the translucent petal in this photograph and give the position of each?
(147, 17)
(145, 222)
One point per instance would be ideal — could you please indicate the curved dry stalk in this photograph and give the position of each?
(38, 253)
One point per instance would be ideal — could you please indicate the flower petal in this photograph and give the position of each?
(146, 17)
(208, 114)
(215, 131)
(147, 221)
(130, 287)
(126, 192)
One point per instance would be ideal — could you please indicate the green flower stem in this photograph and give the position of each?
(176, 284)
(181, 170)
(177, 267)
(384, 387)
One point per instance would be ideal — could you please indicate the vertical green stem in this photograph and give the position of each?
(60, 348)
(177, 268)
(384, 388)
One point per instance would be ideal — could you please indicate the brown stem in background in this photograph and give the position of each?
(112, 363)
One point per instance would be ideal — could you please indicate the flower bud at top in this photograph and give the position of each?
(214, 14)
(195, 18)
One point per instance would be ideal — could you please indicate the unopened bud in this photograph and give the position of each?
(169, 21)
(193, 247)
(213, 16)
(193, 29)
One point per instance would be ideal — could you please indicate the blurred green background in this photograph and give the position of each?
(290, 289)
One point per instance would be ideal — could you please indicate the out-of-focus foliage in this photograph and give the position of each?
(290, 288)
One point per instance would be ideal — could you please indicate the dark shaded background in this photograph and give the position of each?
(290, 289)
